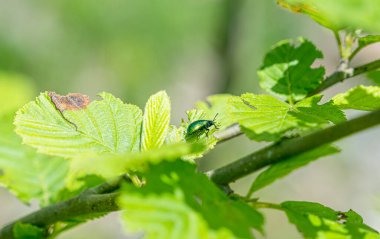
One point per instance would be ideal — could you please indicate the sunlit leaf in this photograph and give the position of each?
(156, 121)
(265, 118)
(287, 72)
(25, 173)
(102, 126)
(359, 98)
(179, 202)
(316, 221)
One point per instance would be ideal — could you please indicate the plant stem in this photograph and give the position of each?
(355, 52)
(266, 205)
(280, 151)
(340, 76)
(82, 205)
(339, 42)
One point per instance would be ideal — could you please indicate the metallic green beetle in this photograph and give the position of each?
(199, 127)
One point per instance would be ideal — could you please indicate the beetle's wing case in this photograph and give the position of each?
(195, 126)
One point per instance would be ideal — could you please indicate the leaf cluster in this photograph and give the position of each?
(73, 147)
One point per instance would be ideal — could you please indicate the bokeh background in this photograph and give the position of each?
(190, 48)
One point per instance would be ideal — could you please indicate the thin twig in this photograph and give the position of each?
(340, 76)
(266, 205)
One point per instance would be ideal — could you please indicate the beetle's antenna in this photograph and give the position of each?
(215, 116)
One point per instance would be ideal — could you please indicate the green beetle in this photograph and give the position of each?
(199, 127)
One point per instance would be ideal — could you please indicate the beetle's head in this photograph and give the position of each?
(210, 123)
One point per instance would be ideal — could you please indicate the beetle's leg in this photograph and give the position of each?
(207, 130)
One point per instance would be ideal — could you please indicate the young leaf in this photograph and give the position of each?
(25, 173)
(316, 221)
(27, 231)
(286, 71)
(265, 118)
(285, 167)
(359, 98)
(70, 126)
(156, 121)
(175, 135)
(179, 202)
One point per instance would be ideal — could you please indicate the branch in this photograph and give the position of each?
(84, 204)
(340, 76)
(287, 148)
(94, 201)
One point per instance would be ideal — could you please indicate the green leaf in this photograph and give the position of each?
(175, 135)
(27, 231)
(374, 76)
(310, 114)
(15, 90)
(339, 14)
(286, 71)
(156, 121)
(308, 8)
(265, 118)
(359, 98)
(314, 220)
(368, 40)
(102, 126)
(25, 173)
(216, 105)
(285, 167)
(179, 202)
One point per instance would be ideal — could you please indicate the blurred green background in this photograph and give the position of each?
(191, 48)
